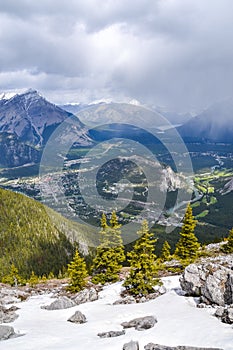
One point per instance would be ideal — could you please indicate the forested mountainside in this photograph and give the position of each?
(29, 239)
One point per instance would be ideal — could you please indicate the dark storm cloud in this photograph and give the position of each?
(172, 52)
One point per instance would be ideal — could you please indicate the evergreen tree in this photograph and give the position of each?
(165, 252)
(13, 278)
(103, 222)
(187, 246)
(142, 275)
(110, 253)
(228, 247)
(33, 280)
(77, 272)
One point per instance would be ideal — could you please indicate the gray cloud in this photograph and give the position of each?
(171, 52)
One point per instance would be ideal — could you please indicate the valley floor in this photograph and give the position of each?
(179, 323)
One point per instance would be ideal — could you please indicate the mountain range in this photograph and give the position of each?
(103, 112)
(26, 122)
(214, 124)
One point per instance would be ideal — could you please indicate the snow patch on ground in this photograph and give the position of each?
(179, 323)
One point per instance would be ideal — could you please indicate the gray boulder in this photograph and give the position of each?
(219, 311)
(152, 346)
(9, 295)
(59, 304)
(141, 323)
(127, 300)
(85, 295)
(7, 315)
(132, 345)
(78, 317)
(225, 314)
(211, 280)
(111, 334)
(6, 332)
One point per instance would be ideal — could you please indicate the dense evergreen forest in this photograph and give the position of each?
(29, 239)
(32, 245)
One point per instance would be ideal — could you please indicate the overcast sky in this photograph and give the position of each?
(175, 53)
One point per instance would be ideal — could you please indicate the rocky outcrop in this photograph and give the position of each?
(129, 299)
(78, 317)
(67, 300)
(225, 314)
(7, 332)
(59, 304)
(111, 334)
(7, 315)
(8, 296)
(141, 323)
(152, 346)
(11, 295)
(85, 295)
(132, 345)
(212, 280)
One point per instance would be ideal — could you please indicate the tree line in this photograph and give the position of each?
(109, 257)
(143, 263)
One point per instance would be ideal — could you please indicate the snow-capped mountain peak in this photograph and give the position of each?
(31, 117)
(7, 95)
(11, 94)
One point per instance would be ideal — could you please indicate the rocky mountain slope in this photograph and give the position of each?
(172, 117)
(110, 113)
(13, 152)
(29, 119)
(71, 323)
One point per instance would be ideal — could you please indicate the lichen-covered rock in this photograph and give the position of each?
(141, 323)
(132, 345)
(59, 304)
(78, 317)
(211, 280)
(111, 334)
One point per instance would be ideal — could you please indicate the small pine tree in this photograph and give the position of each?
(13, 278)
(110, 253)
(165, 252)
(142, 275)
(103, 222)
(228, 247)
(77, 272)
(187, 246)
(33, 280)
(43, 279)
(51, 276)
